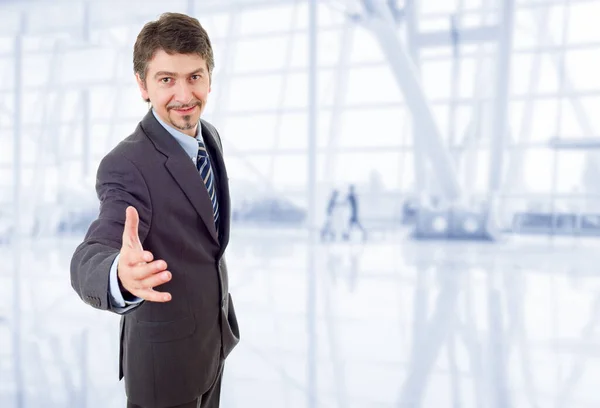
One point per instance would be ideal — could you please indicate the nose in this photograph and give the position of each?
(183, 93)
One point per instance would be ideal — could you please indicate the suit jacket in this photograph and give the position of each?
(169, 352)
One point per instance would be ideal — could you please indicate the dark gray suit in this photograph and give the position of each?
(170, 352)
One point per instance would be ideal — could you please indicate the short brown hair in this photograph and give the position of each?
(174, 33)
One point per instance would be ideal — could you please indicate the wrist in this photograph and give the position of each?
(126, 294)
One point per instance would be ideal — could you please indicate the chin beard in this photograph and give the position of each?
(187, 126)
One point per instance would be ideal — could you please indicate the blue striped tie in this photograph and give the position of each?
(205, 169)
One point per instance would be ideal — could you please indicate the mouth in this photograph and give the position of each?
(185, 111)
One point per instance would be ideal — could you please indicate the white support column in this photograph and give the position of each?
(455, 85)
(514, 179)
(339, 97)
(86, 102)
(283, 92)
(500, 118)
(311, 294)
(17, 233)
(420, 169)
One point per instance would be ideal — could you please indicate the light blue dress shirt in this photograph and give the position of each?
(190, 145)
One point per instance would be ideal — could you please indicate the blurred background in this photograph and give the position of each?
(416, 205)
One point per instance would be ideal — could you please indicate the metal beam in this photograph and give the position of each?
(575, 143)
(479, 10)
(574, 98)
(381, 24)
(464, 36)
(104, 16)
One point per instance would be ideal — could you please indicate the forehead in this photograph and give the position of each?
(177, 63)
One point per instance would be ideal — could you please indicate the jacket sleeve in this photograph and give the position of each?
(118, 303)
(119, 184)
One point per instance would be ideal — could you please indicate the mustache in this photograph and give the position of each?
(185, 106)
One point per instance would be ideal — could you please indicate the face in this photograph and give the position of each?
(177, 86)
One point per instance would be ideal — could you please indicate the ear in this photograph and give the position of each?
(142, 86)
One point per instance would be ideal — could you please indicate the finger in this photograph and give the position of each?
(143, 271)
(131, 236)
(153, 296)
(155, 280)
(133, 258)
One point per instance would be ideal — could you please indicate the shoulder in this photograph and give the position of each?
(213, 131)
(131, 151)
(135, 146)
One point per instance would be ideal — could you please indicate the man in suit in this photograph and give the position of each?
(155, 254)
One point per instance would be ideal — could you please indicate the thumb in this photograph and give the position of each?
(131, 238)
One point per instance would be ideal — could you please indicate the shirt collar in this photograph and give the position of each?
(189, 144)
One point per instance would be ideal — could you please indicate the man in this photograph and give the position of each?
(329, 230)
(353, 221)
(155, 253)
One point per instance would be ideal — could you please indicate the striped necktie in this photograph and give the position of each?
(205, 169)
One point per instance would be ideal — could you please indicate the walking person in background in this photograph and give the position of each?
(328, 231)
(353, 219)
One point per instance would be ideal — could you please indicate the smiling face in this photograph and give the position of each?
(177, 86)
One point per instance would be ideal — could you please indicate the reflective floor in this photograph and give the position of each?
(387, 323)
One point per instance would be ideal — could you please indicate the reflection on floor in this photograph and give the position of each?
(394, 323)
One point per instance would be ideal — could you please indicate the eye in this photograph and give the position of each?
(165, 80)
(196, 77)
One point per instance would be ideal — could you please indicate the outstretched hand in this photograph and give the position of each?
(137, 270)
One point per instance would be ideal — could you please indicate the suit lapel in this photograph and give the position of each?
(186, 175)
(182, 169)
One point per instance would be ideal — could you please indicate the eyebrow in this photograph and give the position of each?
(175, 75)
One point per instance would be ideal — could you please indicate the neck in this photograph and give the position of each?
(190, 132)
